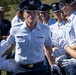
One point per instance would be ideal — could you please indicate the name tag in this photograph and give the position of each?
(19, 36)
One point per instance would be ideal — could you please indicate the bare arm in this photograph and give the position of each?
(73, 46)
(71, 51)
(48, 53)
(9, 50)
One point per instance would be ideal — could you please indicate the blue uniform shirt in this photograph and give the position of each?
(57, 32)
(50, 22)
(70, 29)
(15, 20)
(30, 44)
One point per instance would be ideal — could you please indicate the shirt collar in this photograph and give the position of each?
(62, 23)
(71, 16)
(37, 26)
(24, 25)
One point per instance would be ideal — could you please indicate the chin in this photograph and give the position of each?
(30, 20)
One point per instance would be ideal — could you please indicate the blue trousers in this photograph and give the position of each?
(48, 67)
(39, 69)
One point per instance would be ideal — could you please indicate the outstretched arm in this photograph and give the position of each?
(71, 51)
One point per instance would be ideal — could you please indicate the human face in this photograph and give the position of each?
(57, 14)
(66, 8)
(30, 16)
(44, 15)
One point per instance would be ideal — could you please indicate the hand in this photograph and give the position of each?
(69, 62)
(3, 58)
(8, 65)
(59, 52)
(56, 70)
(54, 48)
(59, 59)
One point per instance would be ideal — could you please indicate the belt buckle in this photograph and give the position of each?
(30, 65)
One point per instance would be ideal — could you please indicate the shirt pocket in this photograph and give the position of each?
(20, 39)
(39, 41)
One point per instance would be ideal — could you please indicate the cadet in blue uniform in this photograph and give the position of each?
(44, 12)
(69, 32)
(5, 25)
(57, 32)
(30, 38)
(57, 29)
(71, 16)
(68, 7)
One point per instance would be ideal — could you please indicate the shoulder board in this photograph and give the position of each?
(18, 24)
(44, 26)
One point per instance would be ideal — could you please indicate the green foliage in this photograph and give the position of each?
(3, 2)
(14, 1)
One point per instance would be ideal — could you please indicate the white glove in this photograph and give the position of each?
(54, 49)
(4, 45)
(59, 59)
(69, 62)
(58, 52)
(62, 43)
(56, 70)
(3, 58)
(7, 65)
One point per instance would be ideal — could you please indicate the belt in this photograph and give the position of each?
(28, 66)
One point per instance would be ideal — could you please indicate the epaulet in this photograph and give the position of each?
(18, 24)
(44, 26)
